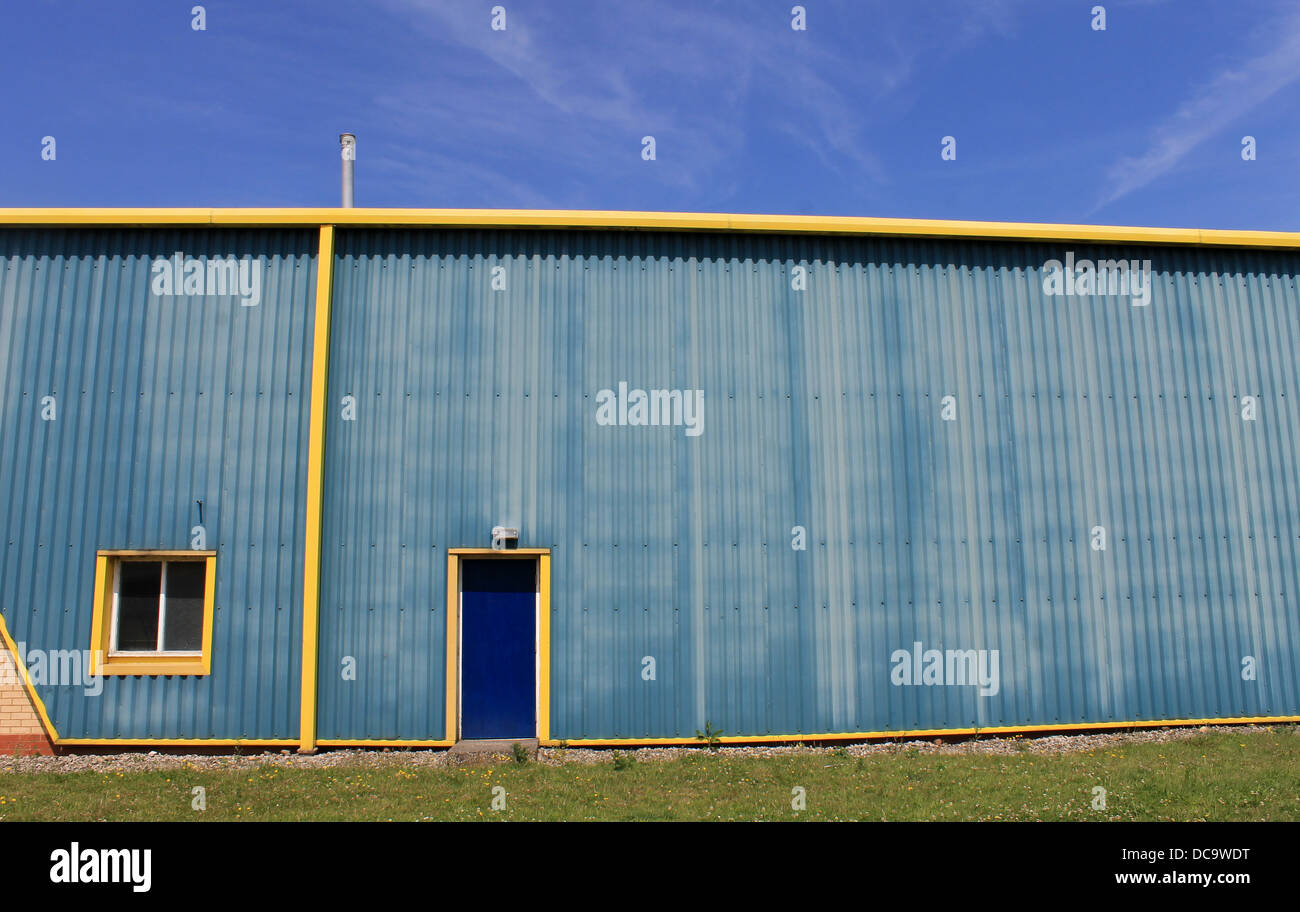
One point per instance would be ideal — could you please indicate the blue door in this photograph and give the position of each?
(498, 617)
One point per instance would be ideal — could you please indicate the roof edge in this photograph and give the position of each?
(646, 221)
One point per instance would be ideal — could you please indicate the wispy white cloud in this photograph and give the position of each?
(579, 91)
(1226, 97)
(442, 176)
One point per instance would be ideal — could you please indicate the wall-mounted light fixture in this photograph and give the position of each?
(503, 538)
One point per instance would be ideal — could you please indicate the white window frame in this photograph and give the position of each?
(162, 614)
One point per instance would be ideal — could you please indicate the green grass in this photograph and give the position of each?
(1214, 776)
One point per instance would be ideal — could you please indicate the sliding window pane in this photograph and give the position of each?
(183, 630)
(138, 584)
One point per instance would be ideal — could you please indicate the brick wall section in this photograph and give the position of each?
(20, 727)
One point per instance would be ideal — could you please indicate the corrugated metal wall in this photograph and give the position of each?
(161, 402)
(476, 407)
(822, 409)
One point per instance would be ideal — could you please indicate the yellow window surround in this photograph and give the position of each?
(103, 662)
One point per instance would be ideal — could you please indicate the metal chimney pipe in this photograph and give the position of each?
(348, 150)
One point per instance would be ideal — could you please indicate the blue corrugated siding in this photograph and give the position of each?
(476, 407)
(822, 409)
(161, 402)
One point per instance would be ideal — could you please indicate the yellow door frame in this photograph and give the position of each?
(543, 557)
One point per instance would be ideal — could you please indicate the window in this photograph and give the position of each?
(153, 612)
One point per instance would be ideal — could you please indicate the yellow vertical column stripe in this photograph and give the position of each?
(315, 492)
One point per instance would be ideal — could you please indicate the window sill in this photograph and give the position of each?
(148, 665)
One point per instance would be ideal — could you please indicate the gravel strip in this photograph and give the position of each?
(1047, 744)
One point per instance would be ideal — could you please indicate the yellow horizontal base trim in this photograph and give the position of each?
(655, 221)
(382, 743)
(672, 742)
(177, 742)
(916, 733)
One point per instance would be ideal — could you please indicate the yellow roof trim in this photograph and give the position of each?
(657, 221)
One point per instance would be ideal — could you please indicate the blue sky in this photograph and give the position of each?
(1139, 124)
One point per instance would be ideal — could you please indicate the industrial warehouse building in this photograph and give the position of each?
(406, 477)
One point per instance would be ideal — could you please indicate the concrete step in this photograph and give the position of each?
(505, 747)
